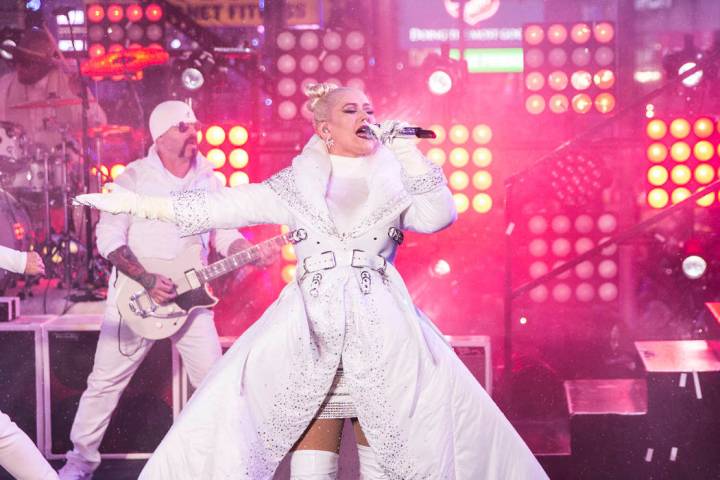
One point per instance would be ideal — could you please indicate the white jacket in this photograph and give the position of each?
(12, 260)
(423, 413)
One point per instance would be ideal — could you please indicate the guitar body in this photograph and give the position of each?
(150, 320)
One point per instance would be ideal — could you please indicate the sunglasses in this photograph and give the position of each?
(184, 127)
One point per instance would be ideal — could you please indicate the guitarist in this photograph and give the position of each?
(172, 163)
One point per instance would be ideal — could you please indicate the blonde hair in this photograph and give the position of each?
(320, 96)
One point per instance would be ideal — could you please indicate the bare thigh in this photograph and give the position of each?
(322, 434)
(359, 434)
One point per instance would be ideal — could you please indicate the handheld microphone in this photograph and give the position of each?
(413, 132)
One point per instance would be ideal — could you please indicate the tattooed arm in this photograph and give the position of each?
(161, 288)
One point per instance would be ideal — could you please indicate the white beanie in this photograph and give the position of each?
(168, 115)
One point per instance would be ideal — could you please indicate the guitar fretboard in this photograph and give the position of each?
(249, 255)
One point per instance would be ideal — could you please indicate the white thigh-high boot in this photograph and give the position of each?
(313, 465)
(370, 469)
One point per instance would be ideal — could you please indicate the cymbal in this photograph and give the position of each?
(50, 103)
(132, 60)
(108, 130)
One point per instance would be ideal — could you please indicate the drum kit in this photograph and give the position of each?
(37, 183)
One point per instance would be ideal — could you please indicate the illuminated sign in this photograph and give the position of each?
(247, 13)
(475, 10)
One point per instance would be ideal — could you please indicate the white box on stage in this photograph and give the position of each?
(146, 409)
(474, 351)
(21, 373)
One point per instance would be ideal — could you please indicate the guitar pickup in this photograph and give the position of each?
(192, 278)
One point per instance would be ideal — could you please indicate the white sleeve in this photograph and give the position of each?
(198, 211)
(12, 260)
(433, 207)
(112, 230)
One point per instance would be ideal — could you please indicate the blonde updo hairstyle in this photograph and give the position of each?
(320, 99)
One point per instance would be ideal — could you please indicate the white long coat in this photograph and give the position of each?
(424, 415)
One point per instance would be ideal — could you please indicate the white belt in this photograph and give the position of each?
(344, 258)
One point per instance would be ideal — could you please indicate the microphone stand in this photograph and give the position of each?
(89, 295)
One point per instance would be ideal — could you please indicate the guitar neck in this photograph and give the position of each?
(242, 258)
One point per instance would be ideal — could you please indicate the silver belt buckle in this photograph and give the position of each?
(334, 262)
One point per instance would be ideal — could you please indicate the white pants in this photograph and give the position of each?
(198, 345)
(19, 456)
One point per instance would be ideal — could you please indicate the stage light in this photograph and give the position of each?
(557, 34)
(238, 135)
(657, 198)
(657, 175)
(581, 80)
(287, 87)
(440, 134)
(115, 13)
(482, 134)
(215, 135)
(539, 294)
(703, 150)
(680, 61)
(355, 40)
(604, 56)
(585, 270)
(286, 64)
(534, 34)
(680, 174)
(657, 152)
(584, 292)
(679, 194)
(694, 267)
(437, 155)
(605, 102)
(288, 273)
(561, 224)
(557, 57)
(534, 81)
(239, 158)
(459, 157)
(355, 64)
(561, 293)
(535, 104)
(287, 110)
(288, 253)
(537, 269)
(558, 103)
(656, 129)
(558, 80)
(216, 157)
(134, 13)
(703, 127)
(459, 180)
(680, 151)
(581, 56)
(604, 79)
(691, 80)
(95, 13)
(482, 180)
(534, 57)
(96, 50)
(441, 268)
(604, 32)
(439, 82)
(607, 223)
(581, 103)
(459, 134)
(309, 40)
(285, 41)
(482, 157)
(537, 225)
(239, 178)
(482, 203)
(332, 40)
(580, 33)
(538, 247)
(462, 203)
(707, 200)
(221, 178)
(704, 174)
(116, 170)
(153, 12)
(680, 128)
(332, 64)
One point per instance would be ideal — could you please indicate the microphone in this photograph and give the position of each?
(413, 132)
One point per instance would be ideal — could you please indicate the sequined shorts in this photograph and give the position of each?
(338, 403)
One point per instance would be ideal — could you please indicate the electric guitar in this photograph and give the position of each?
(155, 321)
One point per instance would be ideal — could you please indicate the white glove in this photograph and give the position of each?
(122, 200)
(405, 148)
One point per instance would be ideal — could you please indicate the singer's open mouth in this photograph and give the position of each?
(365, 132)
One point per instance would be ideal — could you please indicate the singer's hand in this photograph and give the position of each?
(403, 147)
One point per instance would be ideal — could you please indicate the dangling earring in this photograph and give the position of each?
(329, 142)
